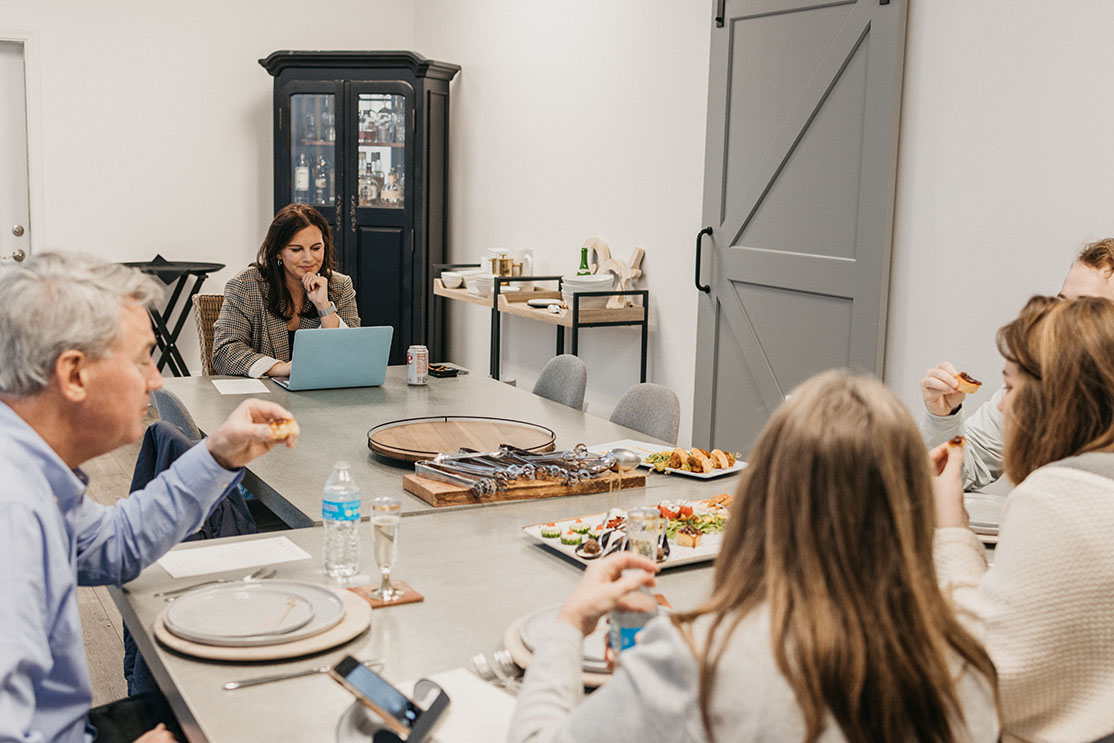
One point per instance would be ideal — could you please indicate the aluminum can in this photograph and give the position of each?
(417, 365)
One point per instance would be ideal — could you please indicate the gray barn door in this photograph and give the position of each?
(803, 109)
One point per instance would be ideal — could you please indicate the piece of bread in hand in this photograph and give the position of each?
(283, 429)
(957, 441)
(967, 384)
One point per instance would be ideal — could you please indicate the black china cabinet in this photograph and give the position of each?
(364, 138)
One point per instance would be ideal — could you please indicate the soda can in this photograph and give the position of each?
(417, 365)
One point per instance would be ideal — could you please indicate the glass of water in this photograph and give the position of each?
(385, 516)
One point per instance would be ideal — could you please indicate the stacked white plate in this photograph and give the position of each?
(254, 614)
(481, 284)
(571, 285)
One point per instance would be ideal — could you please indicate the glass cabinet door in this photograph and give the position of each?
(381, 131)
(313, 149)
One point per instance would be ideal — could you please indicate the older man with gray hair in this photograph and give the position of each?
(75, 373)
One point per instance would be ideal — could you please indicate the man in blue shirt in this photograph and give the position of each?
(75, 373)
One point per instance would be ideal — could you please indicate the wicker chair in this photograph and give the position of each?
(206, 309)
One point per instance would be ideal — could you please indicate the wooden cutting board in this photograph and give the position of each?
(415, 439)
(438, 493)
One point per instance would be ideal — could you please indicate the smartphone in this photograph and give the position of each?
(410, 720)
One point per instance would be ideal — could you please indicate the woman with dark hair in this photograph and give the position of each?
(825, 622)
(292, 285)
(1047, 602)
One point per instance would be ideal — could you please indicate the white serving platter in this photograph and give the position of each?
(706, 550)
(645, 449)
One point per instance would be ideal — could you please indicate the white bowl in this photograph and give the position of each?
(451, 279)
(479, 283)
(586, 303)
(592, 279)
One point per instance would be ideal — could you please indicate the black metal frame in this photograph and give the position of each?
(166, 340)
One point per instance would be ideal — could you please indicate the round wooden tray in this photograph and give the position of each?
(415, 439)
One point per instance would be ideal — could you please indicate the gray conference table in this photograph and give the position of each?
(335, 423)
(477, 571)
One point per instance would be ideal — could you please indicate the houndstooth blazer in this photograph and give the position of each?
(248, 339)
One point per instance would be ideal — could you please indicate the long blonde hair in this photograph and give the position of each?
(832, 528)
(1063, 404)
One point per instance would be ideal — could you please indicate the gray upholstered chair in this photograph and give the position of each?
(206, 310)
(563, 379)
(650, 408)
(172, 410)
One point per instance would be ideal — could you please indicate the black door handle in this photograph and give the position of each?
(704, 288)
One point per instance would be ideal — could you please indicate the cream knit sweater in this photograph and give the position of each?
(1046, 605)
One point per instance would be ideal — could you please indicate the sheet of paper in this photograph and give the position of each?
(220, 558)
(240, 387)
(478, 711)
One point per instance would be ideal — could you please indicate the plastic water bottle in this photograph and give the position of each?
(340, 510)
(643, 525)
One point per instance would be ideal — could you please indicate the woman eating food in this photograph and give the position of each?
(825, 623)
(293, 285)
(1047, 602)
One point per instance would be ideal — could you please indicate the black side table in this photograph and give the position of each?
(166, 337)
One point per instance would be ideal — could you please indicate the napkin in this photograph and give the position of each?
(478, 712)
(219, 558)
(240, 387)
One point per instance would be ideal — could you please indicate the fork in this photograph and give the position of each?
(262, 573)
(373, 663)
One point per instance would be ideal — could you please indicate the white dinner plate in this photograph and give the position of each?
(645, 449)
(594, 644)
(327, 607)
(543, 303)
(236, 612)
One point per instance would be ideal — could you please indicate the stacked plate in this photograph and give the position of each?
(985, 512)
(600, 282)
(481, 283)
(253, 614)
(594, 644)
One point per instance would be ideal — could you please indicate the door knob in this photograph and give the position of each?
(18, 255)
(18, 230)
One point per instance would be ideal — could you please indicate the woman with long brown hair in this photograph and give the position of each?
(825, 622)
(1047, 602)
(292, 285)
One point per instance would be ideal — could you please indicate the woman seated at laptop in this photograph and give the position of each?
(1047, 601)
(825, 621)
(291, 286)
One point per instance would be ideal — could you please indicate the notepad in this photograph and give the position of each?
(240, 387)
(220, 558)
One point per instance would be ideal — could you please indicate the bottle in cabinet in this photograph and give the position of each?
(301, 180)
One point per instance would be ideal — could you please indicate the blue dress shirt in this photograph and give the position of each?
(53, 539)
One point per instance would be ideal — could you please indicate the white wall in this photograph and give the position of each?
(573, 119)
(579, 118)
(156, 118)
(1005, 171)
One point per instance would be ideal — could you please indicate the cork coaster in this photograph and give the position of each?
(409, 596)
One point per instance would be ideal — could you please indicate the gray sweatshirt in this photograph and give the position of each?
(652, 697)
(982, 457)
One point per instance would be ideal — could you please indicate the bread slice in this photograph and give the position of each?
(967, 384)
(284, 429)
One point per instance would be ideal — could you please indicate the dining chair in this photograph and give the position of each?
(650, 408)
(563, 379)
(171, 410)
(206, 310)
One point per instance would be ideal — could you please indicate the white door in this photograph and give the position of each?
(15, 213)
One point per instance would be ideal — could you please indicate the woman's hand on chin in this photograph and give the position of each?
(317, 289)
(281, 369)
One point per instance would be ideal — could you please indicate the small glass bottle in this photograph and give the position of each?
(301, 180)
(321, 182)
(583, 270)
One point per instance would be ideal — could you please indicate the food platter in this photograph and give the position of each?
(645, 449)
(710, 515)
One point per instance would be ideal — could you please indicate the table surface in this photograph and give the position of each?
(335, 423)
(478, 572)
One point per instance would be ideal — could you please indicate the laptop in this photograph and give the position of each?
(327, 358)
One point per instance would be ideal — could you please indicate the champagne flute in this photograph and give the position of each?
(385, 518)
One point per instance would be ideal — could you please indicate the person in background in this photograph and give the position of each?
(1091, 275)
(75, 373)
(825, 623)
(292, 285)
(1047, 601)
